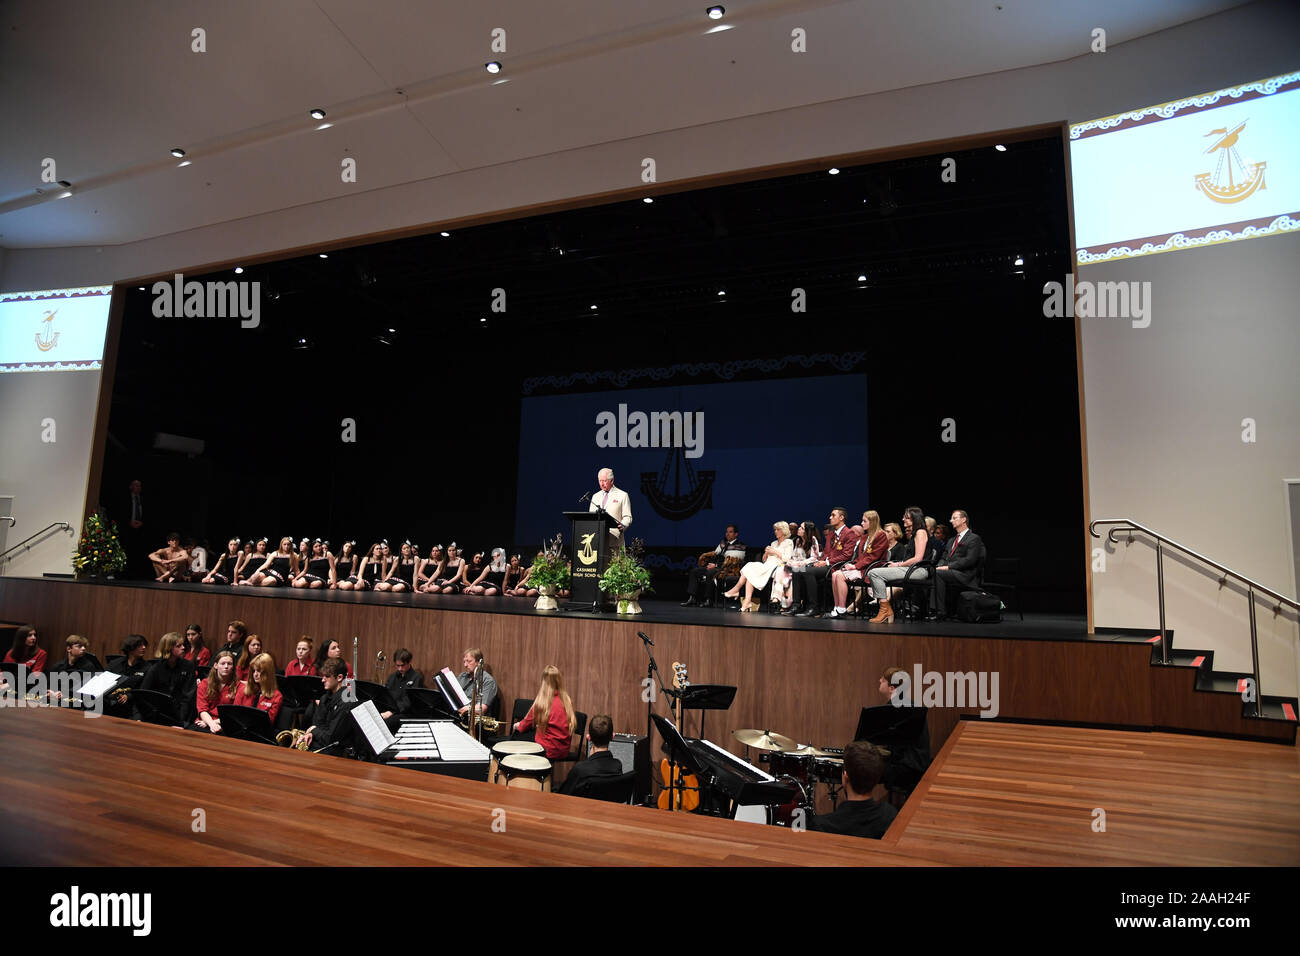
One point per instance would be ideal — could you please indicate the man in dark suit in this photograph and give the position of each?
(698, 588)
(403, 677)
(330, 719)
(960, 562)
(599, 763)
(859, 815)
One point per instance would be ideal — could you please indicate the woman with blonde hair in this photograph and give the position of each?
(260, 689)
(871, 552)
(218, 688)
(277, 569)
(756, 574)
(551, 714)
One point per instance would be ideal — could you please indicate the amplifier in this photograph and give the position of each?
(633, 754)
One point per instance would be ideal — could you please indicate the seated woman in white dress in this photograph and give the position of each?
(806, 551)
(755, 575)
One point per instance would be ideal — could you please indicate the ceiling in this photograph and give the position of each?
(106, 89)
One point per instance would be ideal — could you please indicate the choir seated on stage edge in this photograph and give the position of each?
(197, 682)
(313, 565)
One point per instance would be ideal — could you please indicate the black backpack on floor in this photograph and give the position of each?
(978, 607)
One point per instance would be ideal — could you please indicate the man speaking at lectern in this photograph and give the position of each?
(613, 500)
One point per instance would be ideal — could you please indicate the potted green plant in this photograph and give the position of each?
(549, 574)
(626, 577)
(99, 552)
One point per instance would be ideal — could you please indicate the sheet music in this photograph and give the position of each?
(100, 684)
(454, 686)
(372, 725)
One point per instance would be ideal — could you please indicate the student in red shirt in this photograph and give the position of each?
(197, 653)
(252, 647)
(260, 690)
(302, 665)
(552, 714)
(331, 650)
(218, 688)
(26, 652)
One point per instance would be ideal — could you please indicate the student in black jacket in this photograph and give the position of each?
(599, 763)
(403, 676)
(859, 815)
(174, 676)
(329, 722)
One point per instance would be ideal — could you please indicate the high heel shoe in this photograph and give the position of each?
(746, 606)
(886, 614)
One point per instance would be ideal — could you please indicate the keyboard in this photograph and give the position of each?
(437, 746)
(742, 782)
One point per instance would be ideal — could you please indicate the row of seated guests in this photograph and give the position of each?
(314, 566)
(797, 563)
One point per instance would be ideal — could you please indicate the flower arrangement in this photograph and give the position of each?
(625, 574)
(550, 568)
(100, 550)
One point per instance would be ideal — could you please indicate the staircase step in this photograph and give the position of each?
(1278, 708)
(1222, 682)
(1202, 660)
(1128, 635)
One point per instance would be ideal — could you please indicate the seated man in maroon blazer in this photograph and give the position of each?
(806, 582)
(599, 763)
(959, 562)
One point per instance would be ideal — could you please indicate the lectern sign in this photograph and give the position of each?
(591, 554)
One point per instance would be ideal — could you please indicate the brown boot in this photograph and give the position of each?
(886, 614)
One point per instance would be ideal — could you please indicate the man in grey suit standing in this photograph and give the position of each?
(959, 562)
(615, 502)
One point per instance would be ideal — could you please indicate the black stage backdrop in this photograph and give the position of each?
(929, 292)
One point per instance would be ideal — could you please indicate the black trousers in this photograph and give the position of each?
(700, 584)
(805, 585)
(943, 580)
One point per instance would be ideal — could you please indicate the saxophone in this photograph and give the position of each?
(297, 739)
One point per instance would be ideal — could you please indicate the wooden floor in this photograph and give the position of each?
(109, 792)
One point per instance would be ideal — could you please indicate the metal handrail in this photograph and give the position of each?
(61, 525)
(1128, 524)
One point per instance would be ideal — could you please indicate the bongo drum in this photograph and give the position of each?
(527, 772)
(507, 747)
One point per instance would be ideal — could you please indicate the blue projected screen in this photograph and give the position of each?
(695, 458)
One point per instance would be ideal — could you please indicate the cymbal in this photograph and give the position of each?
(765, 740)
(818, 752)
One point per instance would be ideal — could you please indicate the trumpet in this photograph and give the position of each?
(297, 739)
(481, 722)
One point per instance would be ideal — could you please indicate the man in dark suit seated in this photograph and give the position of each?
(959, 562)
(404, 676)
(859, 815)
(698, 587)
(599, 763)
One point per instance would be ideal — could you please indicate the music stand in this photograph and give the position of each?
(370, 691)
(704, 697)
(679, 755)
(428, 702)
(245, 723)
(155, 707)
(888, 724)
(300, 690)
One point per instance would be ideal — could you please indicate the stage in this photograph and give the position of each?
(108, 792)
(805, 678)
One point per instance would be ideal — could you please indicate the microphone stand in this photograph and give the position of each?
(652, 673)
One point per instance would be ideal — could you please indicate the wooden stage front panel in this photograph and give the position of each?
(806, 684)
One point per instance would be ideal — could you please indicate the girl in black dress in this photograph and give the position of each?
(402, 573)
(372, 569)
(223, 572)
(492, 580)
(277, 569)
(430, 570)
(453, 571)
(254, 558)
(304, 553)
(316, 572)
(474, 577)
(346, 565)
(516, 579)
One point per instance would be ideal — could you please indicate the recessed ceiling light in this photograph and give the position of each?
(1020, 261)
(141, 288)
(324, 126)
(834, 170)
(178, 152)
(647, 199)
(593, 308)
(722, 292)
(1000, 148)
(445, 235)
(185, 163)
(862, 278)
(715, 12)
(239, 270)
(323, 255)
(483, 320)
(392, 330)
(493, 67)
(318, 113)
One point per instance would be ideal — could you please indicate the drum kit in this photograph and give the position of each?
(801, 766)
